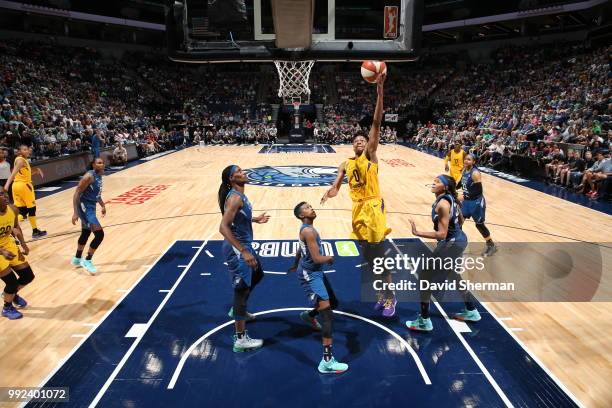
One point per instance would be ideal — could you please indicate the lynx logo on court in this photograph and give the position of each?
(292, 176)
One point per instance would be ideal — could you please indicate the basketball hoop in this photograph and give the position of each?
(293, 77)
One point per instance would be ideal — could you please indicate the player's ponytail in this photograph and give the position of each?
(451, 187)
(225, 187)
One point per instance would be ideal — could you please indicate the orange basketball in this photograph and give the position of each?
(370, 70)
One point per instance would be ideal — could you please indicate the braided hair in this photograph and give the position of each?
(225, 187)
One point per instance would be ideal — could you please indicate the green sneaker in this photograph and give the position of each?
(420, 324)
(246, 343)
(249, 316)
(87, 264)
(76, 262)
(311, 321)
(332, 367)
(468, 315)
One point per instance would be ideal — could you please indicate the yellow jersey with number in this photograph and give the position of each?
(362, 177)
(456, 164)
(7, 222)
(456, 159)
(24, 174)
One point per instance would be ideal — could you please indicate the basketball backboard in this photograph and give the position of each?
(342, 30)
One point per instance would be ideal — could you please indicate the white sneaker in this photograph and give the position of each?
(246, 343)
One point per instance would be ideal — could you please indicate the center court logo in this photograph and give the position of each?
(292, 176)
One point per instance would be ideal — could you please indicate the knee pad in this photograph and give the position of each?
(240, 303)
(11, 283)
(327, 318)
(23, 211)
(84, 236)
(32, 211)
(26, 276)
(98, 237)
(483, 230)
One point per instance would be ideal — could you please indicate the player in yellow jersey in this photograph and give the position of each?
(23, 189)
(14, 268)
(455, 156)
(369, 219)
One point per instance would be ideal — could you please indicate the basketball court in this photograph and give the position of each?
(151, 328)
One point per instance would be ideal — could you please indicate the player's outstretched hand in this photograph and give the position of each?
(261, 219)
(75, 218)
(24, 248)
(414, 228)
(332, 192)
(292, 269)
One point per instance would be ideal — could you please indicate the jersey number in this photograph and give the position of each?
(356, 175)
(5, 230)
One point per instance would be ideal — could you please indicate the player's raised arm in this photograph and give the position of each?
(443, 210)
(374, 135)
(333, 190)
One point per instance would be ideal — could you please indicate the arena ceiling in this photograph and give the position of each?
(435, 12)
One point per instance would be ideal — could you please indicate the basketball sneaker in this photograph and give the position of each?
(19, 302)
(311, 321)
(490, 249)
(38, 234)
(76, 261)
(467, 315)
(332, 367)
(246, 343)
(11, 313)
(87, 264)
(249, 316)
(420, 324)
(389, 307)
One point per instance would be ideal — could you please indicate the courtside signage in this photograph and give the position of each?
(139, 194)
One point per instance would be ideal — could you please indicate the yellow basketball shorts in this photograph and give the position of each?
(370, 221)
(23, 194)
(455, 172)
(17, 260)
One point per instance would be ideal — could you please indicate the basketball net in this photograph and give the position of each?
(293, 77)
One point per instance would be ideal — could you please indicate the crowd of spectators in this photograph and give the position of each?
(56, 101)
(61, 103)
(345, 132)
(528, 111)
(544, 107)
